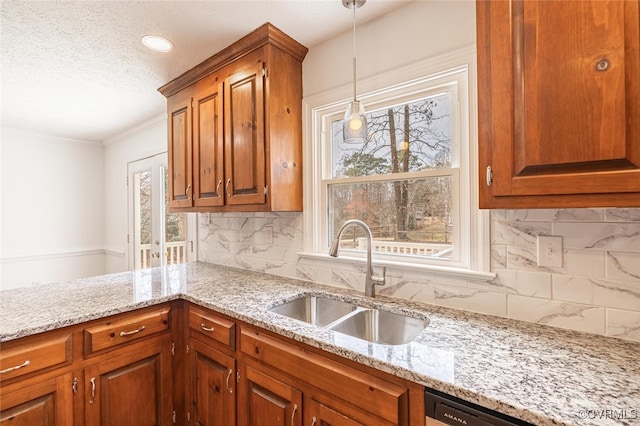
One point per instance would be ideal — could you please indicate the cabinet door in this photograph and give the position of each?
(208, 138)
(49, 402)
(321, 415)
(265, 401)
(245, 161)
(214, 396)
(180, 160)
(559, 118)
(131, 386)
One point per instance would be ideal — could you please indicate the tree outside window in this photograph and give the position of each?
(399, 181)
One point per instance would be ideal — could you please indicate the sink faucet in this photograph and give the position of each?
(371, 280)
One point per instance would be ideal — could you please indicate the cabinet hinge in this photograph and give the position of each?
(173, 417)
(128, 238)
(173, 348)
(489, 176)
(264, 72)
(266, 191)
(238, 376)
(188, 416)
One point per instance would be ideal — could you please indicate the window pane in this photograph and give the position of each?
(175, 226)
(408, 217)
(142, 219)
(405, 138)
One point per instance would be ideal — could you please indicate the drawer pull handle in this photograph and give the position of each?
(129, 333)
(229, 388)
(207, 329)
(93, 390)
(74, 385)
(226, 188)
(17, 367)
(314, 421)
(295, 408)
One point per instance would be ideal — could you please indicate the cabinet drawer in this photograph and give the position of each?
(213, 326)
(124, 330)
(388, 401)
(35, 355)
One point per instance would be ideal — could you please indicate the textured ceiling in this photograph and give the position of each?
(77, 69)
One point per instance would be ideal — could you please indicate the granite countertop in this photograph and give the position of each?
(540, 374)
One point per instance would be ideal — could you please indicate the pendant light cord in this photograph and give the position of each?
(354, 50)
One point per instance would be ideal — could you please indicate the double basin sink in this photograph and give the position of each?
(369, 324)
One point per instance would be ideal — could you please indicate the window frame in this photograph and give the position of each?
(425, 76)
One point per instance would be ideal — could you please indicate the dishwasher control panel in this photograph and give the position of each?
(445, 410)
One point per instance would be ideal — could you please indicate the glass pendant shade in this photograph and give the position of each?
(355, 123)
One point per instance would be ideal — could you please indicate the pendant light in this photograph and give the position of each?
(354, 128)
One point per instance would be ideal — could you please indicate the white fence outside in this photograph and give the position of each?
(174, 253)
(398, 247)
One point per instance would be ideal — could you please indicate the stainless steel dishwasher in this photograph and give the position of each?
(443, 410)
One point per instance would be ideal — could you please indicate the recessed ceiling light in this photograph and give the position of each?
(157, 43)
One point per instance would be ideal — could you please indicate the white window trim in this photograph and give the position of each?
(315, 108)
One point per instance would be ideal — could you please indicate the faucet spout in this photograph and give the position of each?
(371, 279)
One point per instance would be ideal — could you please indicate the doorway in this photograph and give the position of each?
(156, 236)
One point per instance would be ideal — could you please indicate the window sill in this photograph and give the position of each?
(434, 271)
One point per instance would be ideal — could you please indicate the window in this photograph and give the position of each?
(412, 181)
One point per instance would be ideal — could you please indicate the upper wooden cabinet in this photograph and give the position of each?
(558, 103)
(235, 128)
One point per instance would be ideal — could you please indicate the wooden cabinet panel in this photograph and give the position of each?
(245, 142)
(265, 401)
(213, 326)
(208, 144)
(559, 122)
(49, 402)
(44, 352)
(320, 415)
(125, 329)
(132, 387)
(381, 398)
(214, 395)
(180, 163)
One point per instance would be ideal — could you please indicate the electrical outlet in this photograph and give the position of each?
(550, 251)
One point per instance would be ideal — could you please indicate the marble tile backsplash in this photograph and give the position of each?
(597, 289)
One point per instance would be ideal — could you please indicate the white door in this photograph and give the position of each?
(156, 237)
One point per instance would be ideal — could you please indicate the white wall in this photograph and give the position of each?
(52, 209)
(422, 29)
(146, 140)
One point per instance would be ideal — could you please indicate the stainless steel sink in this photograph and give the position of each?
(372, 325)
(316, 310)
(383, 327)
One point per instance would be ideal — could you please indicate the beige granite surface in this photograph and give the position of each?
(539, 374)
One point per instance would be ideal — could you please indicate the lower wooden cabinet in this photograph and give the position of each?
(335, 392)
(214, 394)
(132, 387)
(265, 401)
(182, 364)
(49, 402)
(318, 414)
